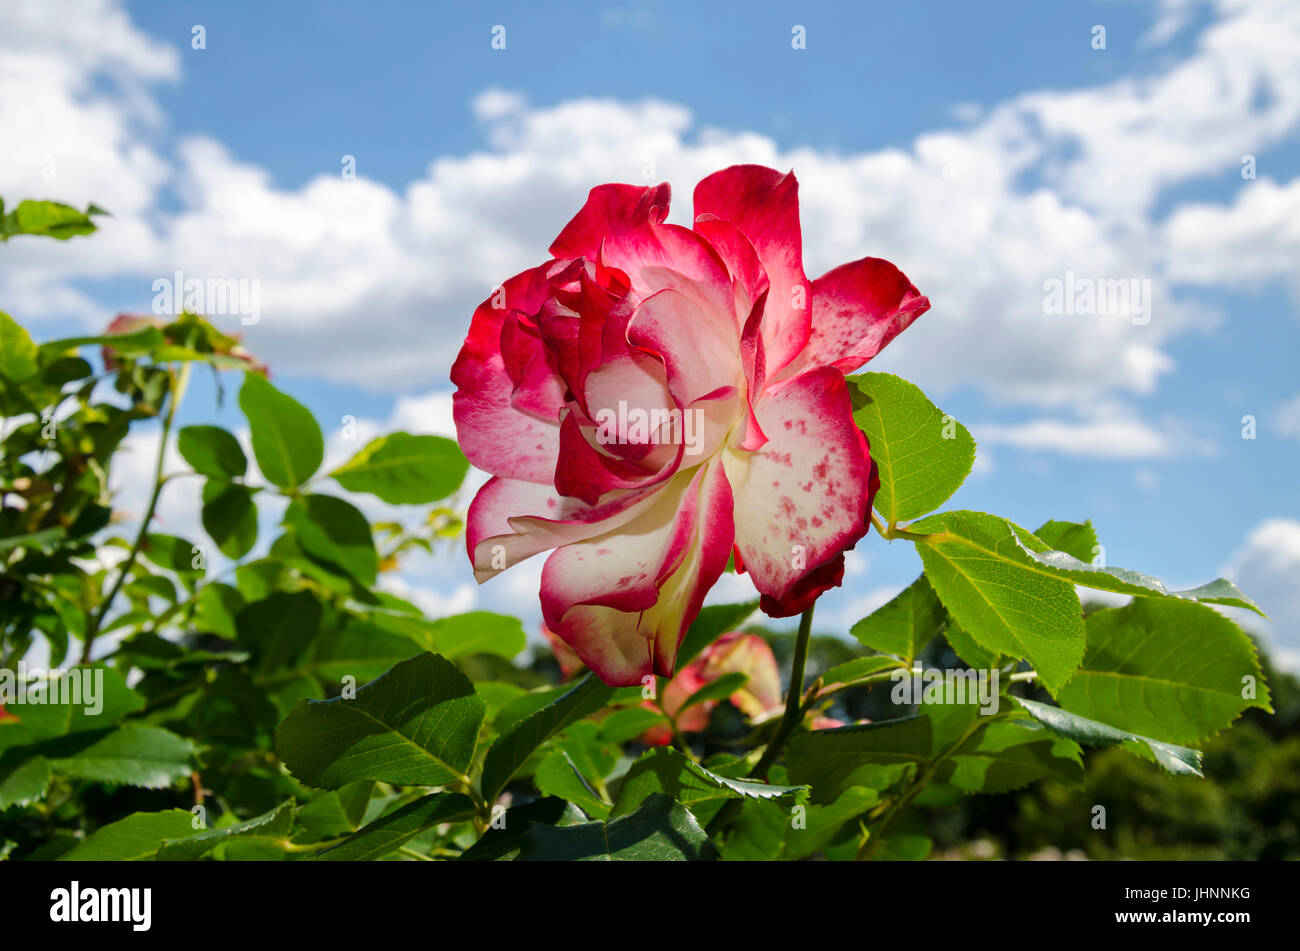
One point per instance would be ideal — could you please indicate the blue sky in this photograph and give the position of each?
(983, 150)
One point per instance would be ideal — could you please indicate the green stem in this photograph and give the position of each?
(92, 630)
(789, 720)
(872, 842)
(793, 698)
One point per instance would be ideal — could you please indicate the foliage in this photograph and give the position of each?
(262, 696)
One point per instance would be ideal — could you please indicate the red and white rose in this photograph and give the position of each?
(655, 398)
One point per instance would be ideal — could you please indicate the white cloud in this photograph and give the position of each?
(1267, 568)
(369, 285)
(1106, 432)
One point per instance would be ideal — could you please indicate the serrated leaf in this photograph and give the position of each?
(67, 708)
(1005, 756)
(772, 830)
(1078, 539)
(1059, 564)
(1176, 759)
(515, 745)
(404, 469)
(286, 438)
(338, 811)
(874, 755)
(557, 775)
(23, 780)
(131, 755)
(417, 725)
(135, 838)
(977, 567)
(270, 825)
(923, 454)
(904, 625)
(667, 771)
(389, 833)
(212, 452)
(964, 646)
(1167, 669)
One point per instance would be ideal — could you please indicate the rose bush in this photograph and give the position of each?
(654, 399)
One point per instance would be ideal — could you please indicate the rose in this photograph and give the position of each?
(655, 398)
(735, 652)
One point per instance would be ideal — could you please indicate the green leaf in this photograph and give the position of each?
(287, 441)
(667, 771)
(358, 650)
(230, 517)
(417, 725)
(558, 775)
(23, 781)
(719, 689)
(67, 708)
(1006, 756)
(873, 755)
(976, 565)
(1176, 759)
(768, 830)
(1059, 564)
(712, 622)
(515, 745)
(18, 354)
(1078, 539)
(860, 667)
(338, 811)
(905, 625)
(477, 632)
(173, 554)
(131, 755)
(335, 532)
(218, 605)
(278, 628)
(271, 825)
(212, 451)
(923, 454)
(50, 219)
(1167, 669)
(629, 723)
(135, 838)
(504, 841)
(404, 469)
(661, 830)
(389, 833)
(964, 646)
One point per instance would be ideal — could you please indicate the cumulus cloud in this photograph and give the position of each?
(365, 284)
(1267, 567)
